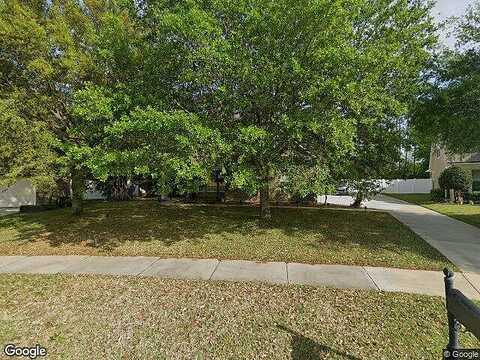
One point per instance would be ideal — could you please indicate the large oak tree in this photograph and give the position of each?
(301, 85)
(291, 90)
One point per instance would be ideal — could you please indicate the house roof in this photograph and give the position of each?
(469, 158)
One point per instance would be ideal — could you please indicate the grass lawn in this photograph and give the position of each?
(80, 317)
(151, 229)
(466, 213)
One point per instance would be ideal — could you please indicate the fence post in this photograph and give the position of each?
(453, 324)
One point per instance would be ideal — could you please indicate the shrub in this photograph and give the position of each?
(455, 178)
(437, 195)
(473, 196)
(476, 185)
(37, 208)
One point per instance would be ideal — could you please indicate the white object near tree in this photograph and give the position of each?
(91, 191)
(20, 193)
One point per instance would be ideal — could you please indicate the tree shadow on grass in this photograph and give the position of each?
(212, 231)
(109, 225)
(304, 348)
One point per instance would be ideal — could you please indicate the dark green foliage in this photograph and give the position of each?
(175, 148)
(298, 92)
(302, 89)
(448, 108)
(455, 178)
(472, 196)
(476, 185)
(437, 195)
(26, 149)
(63, 68)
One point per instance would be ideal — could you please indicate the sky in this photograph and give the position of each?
(446, 8)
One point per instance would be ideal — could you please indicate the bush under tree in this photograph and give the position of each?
(456, 179)
(437, 195)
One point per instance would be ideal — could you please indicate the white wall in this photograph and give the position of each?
(409, 186)
(23, 193)
(20, 193)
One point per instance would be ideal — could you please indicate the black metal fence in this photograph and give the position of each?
(460, 310)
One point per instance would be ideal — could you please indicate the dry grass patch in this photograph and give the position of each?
(80, 317)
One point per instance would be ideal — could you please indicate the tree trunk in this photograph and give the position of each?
(414, 167)
(218, 192)
(358, 201)
(63, 192)
(452, 195)
(265, 201)
(120, 189)
(78, 189)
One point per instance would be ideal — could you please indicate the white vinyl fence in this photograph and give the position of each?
(408, 186)
(23, 192)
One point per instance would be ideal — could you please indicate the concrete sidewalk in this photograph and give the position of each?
(336, 276)
(457, 241)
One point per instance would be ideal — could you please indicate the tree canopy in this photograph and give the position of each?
(448, 109)
(49, 54)
(303, 92)
(26, 149)
(297, 85)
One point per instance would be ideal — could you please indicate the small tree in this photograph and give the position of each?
(364, 189)
(456, 179)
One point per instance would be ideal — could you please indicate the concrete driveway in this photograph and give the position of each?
(381, 202)
(7, 211)
(458, 241)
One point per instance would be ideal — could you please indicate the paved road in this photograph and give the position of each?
(337, 276)
(458, 241)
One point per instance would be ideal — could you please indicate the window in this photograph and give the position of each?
(476, 180)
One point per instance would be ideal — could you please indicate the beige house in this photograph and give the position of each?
(439, 160)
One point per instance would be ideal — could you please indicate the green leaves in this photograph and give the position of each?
(26, 149)
(173, 146)
(92, 103)
(262, 89)
(455, 178)
(66, 67)
(447, 112)
(298, 81)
